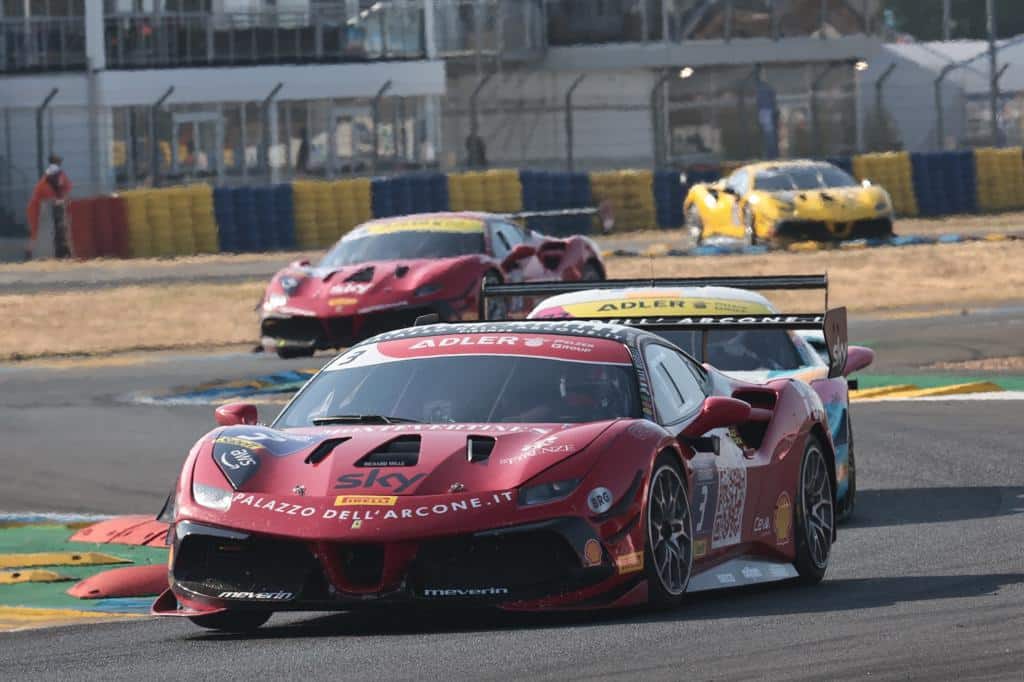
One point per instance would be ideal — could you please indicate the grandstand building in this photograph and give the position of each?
(157, 92)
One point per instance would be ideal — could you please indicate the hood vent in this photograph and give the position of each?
(363, 275)
(403, 451)
(478, 448)
(401, 271)
(320, 452)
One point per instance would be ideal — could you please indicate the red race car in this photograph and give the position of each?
(385, 273)
(584, 465)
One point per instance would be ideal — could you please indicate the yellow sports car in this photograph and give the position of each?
(787, 201)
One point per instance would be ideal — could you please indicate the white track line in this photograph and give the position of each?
(994, 395)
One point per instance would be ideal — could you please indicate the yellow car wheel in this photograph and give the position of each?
(694, 225)
(749, 229)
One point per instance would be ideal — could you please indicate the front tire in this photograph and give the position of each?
(668, 552)
(232, 621)
(695, 225)
(815, 521)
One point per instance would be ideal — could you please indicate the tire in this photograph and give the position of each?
(286, 353)
(695, 225)
(232, 621)
(844, 511)
(591, 272)
(815, 521)
(749, 227)
(497, 308)
(668, 547)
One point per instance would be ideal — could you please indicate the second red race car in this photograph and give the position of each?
(385, 273)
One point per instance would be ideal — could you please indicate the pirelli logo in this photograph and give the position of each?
(365, 500)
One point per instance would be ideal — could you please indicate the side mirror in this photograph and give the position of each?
(857, 358)
(235, 414)
(716, 412)
(517, 254)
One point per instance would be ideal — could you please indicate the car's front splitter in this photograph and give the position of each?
(559, 563)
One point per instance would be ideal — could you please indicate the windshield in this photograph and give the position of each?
(405, 245)
(803, 178)
(471, 389)
(739, 350)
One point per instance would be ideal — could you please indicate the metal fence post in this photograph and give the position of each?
(940, 119)
(819, 143)
(40, 142)
(568, 121)
(474, 120)
(376, 122)
(268, 131)
(656, 118)
(154, 149)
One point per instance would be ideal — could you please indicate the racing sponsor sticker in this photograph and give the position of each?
(592, 553)
(459, 225)
(783, 519)
(599, 500)
(629, 563)
(659, 304)
(700, 548)
(375, 511)
(365, 500)
(237, 458)
(277, 443)
(732, 495)
(704, 499)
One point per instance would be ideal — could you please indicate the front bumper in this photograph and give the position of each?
(280, 330)
(549, 563)
(827, 231)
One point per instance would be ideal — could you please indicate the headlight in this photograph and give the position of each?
(427, 290)
(289, 284)
(785, 205)
(275, 301)
(546, 492)
(882, 206)
(210, 497)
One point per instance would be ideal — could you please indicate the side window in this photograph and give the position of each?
(739, 182)
(504, 238)
(677, 391)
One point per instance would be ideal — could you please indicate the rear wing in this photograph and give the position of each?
(832, 323)
(765, 283)
(603, 211)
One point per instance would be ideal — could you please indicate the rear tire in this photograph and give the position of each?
(668, 549)
(497, 308)
(591, 272)
(232, 621)
(292, 353)
(815, 521)
(844, 511)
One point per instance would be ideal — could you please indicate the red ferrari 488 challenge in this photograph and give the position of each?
(522, 465)
(384, 274)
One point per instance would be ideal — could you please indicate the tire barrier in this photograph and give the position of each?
(631, 195)
(944, 183)
(1000, 178)
(552, 191)
(313, 214)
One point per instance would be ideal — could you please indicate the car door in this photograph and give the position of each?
(722, 492)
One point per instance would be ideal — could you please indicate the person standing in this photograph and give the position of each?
(54, 186)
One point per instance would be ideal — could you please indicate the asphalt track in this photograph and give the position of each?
(927, 582)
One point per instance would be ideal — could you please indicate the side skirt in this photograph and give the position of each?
(740, 572)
